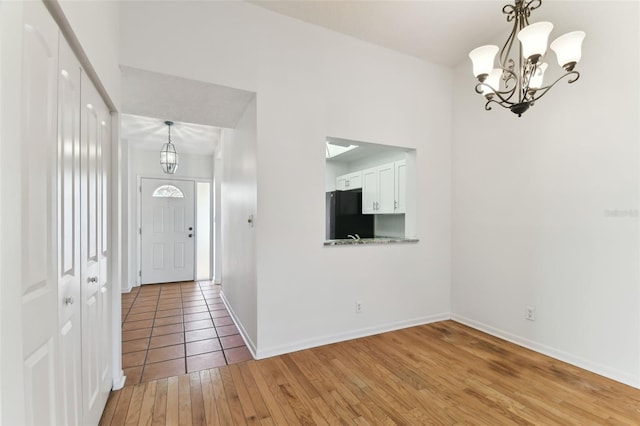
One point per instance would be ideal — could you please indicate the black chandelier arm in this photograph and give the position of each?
(506, 48)
(503, 99)
(510, 75)
(510, 11)
(544, 90)
(532, 5)
(487, 106)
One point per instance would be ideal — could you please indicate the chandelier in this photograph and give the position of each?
(517, 86)
(168, 154)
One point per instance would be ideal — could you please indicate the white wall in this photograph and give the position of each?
(96, 24)
(312, 82)
(531, 197)
(12, 404)
(143, 163)
(238, 203)
(217, 214)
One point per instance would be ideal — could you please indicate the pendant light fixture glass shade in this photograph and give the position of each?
(534, 40)
(568, 49)
(492, 82)
(168, 154)
(482, 59)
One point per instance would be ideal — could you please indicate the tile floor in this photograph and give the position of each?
(176, 328)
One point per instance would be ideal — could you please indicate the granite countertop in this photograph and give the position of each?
(376, 240)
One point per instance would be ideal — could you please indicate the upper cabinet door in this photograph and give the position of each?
(369, 190)
(354, 180)
(39, 286)
(341, 183)
(386, 188)
(401, 186)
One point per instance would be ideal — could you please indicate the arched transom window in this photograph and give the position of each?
(168, 191)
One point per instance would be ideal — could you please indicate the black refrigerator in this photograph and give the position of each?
(344, 215)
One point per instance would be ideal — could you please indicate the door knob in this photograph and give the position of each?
(92, 279)
(191, 228)
(190, 235)
(68, 300)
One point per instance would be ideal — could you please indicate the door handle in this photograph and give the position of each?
(191, 228)
(190, 235)
(92, 279)
(68, 300)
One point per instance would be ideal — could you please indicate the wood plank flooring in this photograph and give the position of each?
(437, 374)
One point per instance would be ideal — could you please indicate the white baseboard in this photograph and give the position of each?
(603, 370)
(349, 335)
(243, 333)
(127, 289)
(119, 380)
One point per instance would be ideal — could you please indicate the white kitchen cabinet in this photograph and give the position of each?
(400, 172)
(384, 189)
(369, 190)
(349, 181)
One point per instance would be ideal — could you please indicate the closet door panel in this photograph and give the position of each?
(105, 278)
(68, 195)
(39, 285)
(95, 390)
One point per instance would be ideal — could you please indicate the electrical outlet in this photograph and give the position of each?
(530, 313)
(358, 307)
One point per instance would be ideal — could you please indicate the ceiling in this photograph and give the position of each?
(439, 31)
(153, 94)
(364, 150)
(150, 134)
(198, 110)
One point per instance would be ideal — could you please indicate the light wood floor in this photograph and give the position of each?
(442, 373)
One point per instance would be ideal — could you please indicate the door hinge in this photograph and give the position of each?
(140, 231)
(140, 188)
(140, 273)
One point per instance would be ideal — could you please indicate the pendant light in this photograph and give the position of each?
(168, 154)
(517, 82)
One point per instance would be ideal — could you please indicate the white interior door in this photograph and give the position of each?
(167, 231)
(68, 195)
(39, 286)
(94, 119)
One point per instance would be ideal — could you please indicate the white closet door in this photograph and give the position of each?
(104, 277)
(68, 197)
(93, 288)
(39, 284)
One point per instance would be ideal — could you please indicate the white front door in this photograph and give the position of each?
(168, 230)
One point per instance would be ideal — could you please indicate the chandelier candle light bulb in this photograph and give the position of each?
(521, 71)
